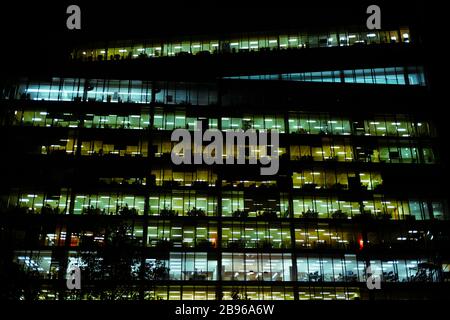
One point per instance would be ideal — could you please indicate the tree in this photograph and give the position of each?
(116, 265)
(17, 281)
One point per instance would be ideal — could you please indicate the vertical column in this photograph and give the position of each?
(148, 187)
(294, 259)
(219, 236)
(143, 250)
(405, 75)
(219, 288)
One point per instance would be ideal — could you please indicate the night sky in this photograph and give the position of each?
(35, 31)
(36, 34)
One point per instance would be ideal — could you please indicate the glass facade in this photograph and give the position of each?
(412, 76)
(316, 137)
(89, 181)
(239, 43)
(298, 123)
(114, 91)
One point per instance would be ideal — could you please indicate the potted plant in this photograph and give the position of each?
(166, 212)
(268, 214)
(194, 212)
(240, 214)
(127, 212)
(310, 214)
(338, 214)
(91, 210)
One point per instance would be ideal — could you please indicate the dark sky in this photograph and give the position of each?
(43, 22)
(37, 33)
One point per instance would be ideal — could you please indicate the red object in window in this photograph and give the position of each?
(361, 243)
(74, 241)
